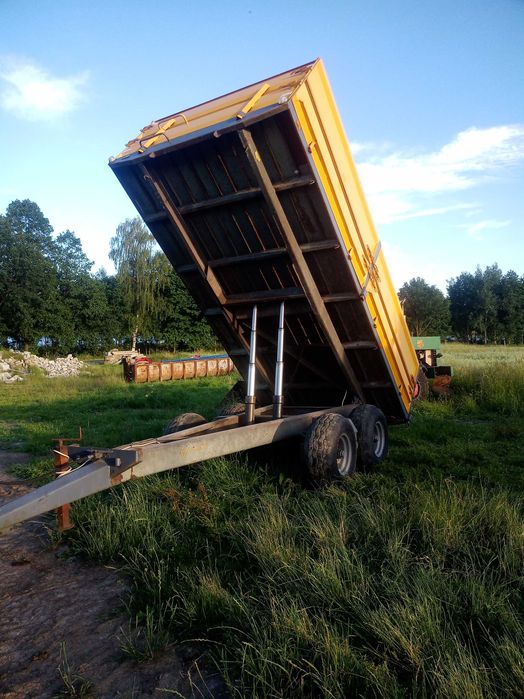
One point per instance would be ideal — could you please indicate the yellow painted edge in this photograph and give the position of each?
(379, 308)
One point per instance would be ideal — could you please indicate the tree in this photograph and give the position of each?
(95, 326)
(465, 304)
(29, 303)
(70, 260)
(139, 271)
(72, 268)
(487, 282)
(181, 324)
(485, 304)
(47, 290)
(116, 326)
(6, 238)
(27, 221)
(510, 307)
(425, 307)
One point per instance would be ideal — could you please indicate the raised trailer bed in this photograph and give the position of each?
(255, 200)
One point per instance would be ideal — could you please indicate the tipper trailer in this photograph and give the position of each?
(255, 200)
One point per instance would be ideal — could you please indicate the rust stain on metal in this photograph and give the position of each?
(62, 467)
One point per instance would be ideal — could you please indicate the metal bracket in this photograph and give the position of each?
(148, 141)
(251, 103)
(372, 274)
(118, 460)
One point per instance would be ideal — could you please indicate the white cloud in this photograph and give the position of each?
(475, 229)
(407, 185)
(404, 264)
(30, 92)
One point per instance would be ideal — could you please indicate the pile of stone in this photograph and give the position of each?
(21, 362)
(6, 373)
(116, 356)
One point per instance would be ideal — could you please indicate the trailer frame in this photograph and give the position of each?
(99, 469)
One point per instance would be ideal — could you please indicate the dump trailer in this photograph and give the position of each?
(256, 202)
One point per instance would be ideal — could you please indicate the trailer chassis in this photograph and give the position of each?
(331, 442)
(101, 469)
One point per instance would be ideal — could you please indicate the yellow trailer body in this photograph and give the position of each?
(255, 199)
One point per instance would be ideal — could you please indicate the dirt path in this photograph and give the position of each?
(49, 602)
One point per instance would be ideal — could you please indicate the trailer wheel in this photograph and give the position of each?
(232, 409)
(373, 437)
(232, 403)
(330, 448)
(421, 386)
(183, 422)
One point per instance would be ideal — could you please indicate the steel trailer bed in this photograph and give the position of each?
(255, 200)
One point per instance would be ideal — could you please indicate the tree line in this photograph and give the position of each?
(483, 306)
(50, 299)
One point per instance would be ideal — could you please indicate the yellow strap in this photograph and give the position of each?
(249, 105)
(165, 127)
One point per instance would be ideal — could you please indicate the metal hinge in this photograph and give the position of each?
(372, 274)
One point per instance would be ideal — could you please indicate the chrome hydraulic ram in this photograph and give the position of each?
(250, 394)
(278, 397)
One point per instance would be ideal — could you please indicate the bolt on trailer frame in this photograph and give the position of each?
(255, 199)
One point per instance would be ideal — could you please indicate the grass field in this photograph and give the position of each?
(406, 582)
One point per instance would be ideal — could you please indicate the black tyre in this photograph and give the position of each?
(373, 436)
(232, 404)
(329, 451)
(421, 391)
(232, 409)
(183, 422)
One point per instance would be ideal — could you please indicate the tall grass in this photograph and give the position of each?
(370, 589)
(487, 378)
(404, 583)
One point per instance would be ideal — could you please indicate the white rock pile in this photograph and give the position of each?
(21, 362)
(116, 356)
(6, 375)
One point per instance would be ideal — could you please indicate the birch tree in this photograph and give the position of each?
(139, 272)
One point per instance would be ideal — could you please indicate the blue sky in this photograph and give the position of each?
(431, 95)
